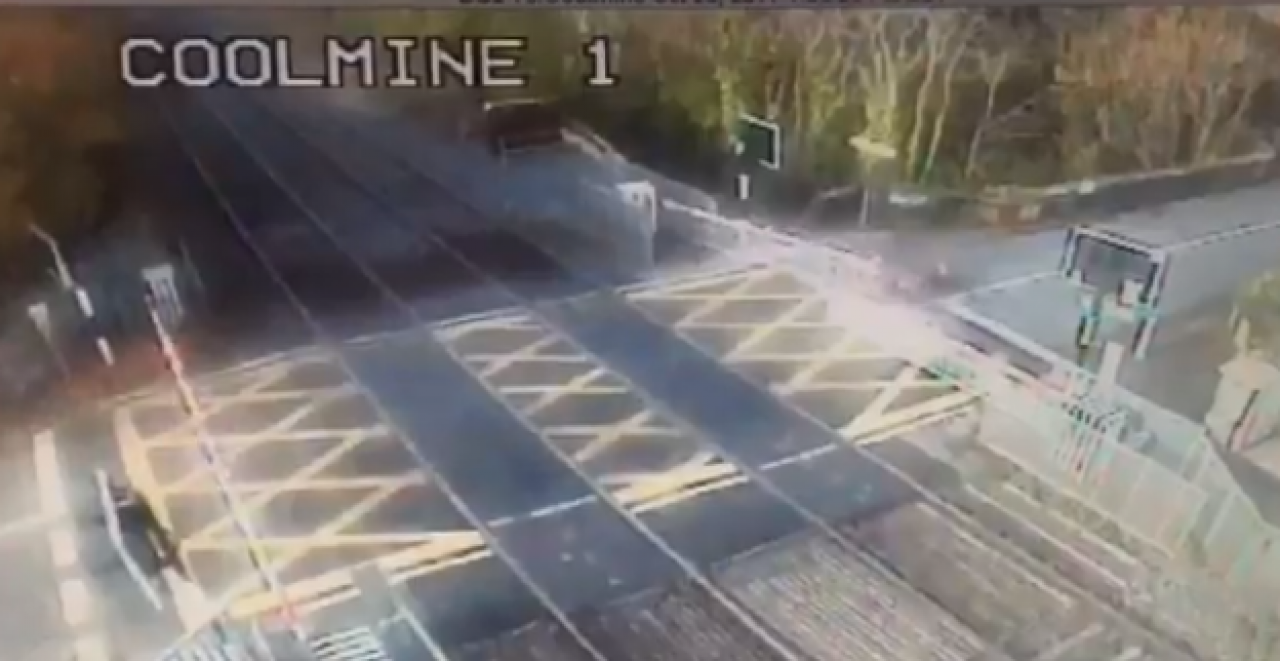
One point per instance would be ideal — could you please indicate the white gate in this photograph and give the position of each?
(39, 314)
(162, 288)
(642, 228)
(641, 195)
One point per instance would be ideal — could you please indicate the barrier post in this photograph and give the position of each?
(111, 519)
(217, 467)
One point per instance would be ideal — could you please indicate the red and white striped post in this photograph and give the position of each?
(66, 279)
(209, 451)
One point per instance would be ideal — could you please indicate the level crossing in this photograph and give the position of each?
(555, 436)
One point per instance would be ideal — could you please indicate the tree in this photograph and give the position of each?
(59, 108)
(1156, 88)
(814, 90)
(1258, 305)
(909, 62)
(1007, 108)
(966, 97)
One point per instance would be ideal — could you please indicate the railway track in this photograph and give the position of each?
(348, 222)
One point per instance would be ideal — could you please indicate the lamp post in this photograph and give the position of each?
(61, 269)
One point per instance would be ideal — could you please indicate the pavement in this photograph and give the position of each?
(976, 258)
(1021, 290)
(1206, 271)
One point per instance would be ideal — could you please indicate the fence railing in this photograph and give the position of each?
(221, 638)
(387, 627)
(1159, 479)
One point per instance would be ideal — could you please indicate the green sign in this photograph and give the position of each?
(759, 141)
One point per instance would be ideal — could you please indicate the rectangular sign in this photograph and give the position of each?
(1112, 264)
(761, 141)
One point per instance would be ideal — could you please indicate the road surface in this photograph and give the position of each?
(557, 448)
(516, 431)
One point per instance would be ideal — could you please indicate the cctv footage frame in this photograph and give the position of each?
(574, 5)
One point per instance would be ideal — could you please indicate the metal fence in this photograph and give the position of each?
(1208, 532)
(1154, 475)
(220, 638)
(388, 628)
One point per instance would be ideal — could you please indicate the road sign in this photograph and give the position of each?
(759, 141)
(877, 150)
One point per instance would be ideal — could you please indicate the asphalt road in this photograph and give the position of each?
(1180, 371)
(571, 444)
(390, 442)
(445, 424)
(339, 284)
(492, 414)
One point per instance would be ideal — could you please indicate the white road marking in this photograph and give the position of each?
(28, 525)
(73, 589)
(998, 285)
(1071, 643)
(1134, 653)
(543, 512)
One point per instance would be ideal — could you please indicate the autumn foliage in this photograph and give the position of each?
(59, 112)
(968, 98)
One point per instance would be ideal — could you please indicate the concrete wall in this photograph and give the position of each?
(1089, 200)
